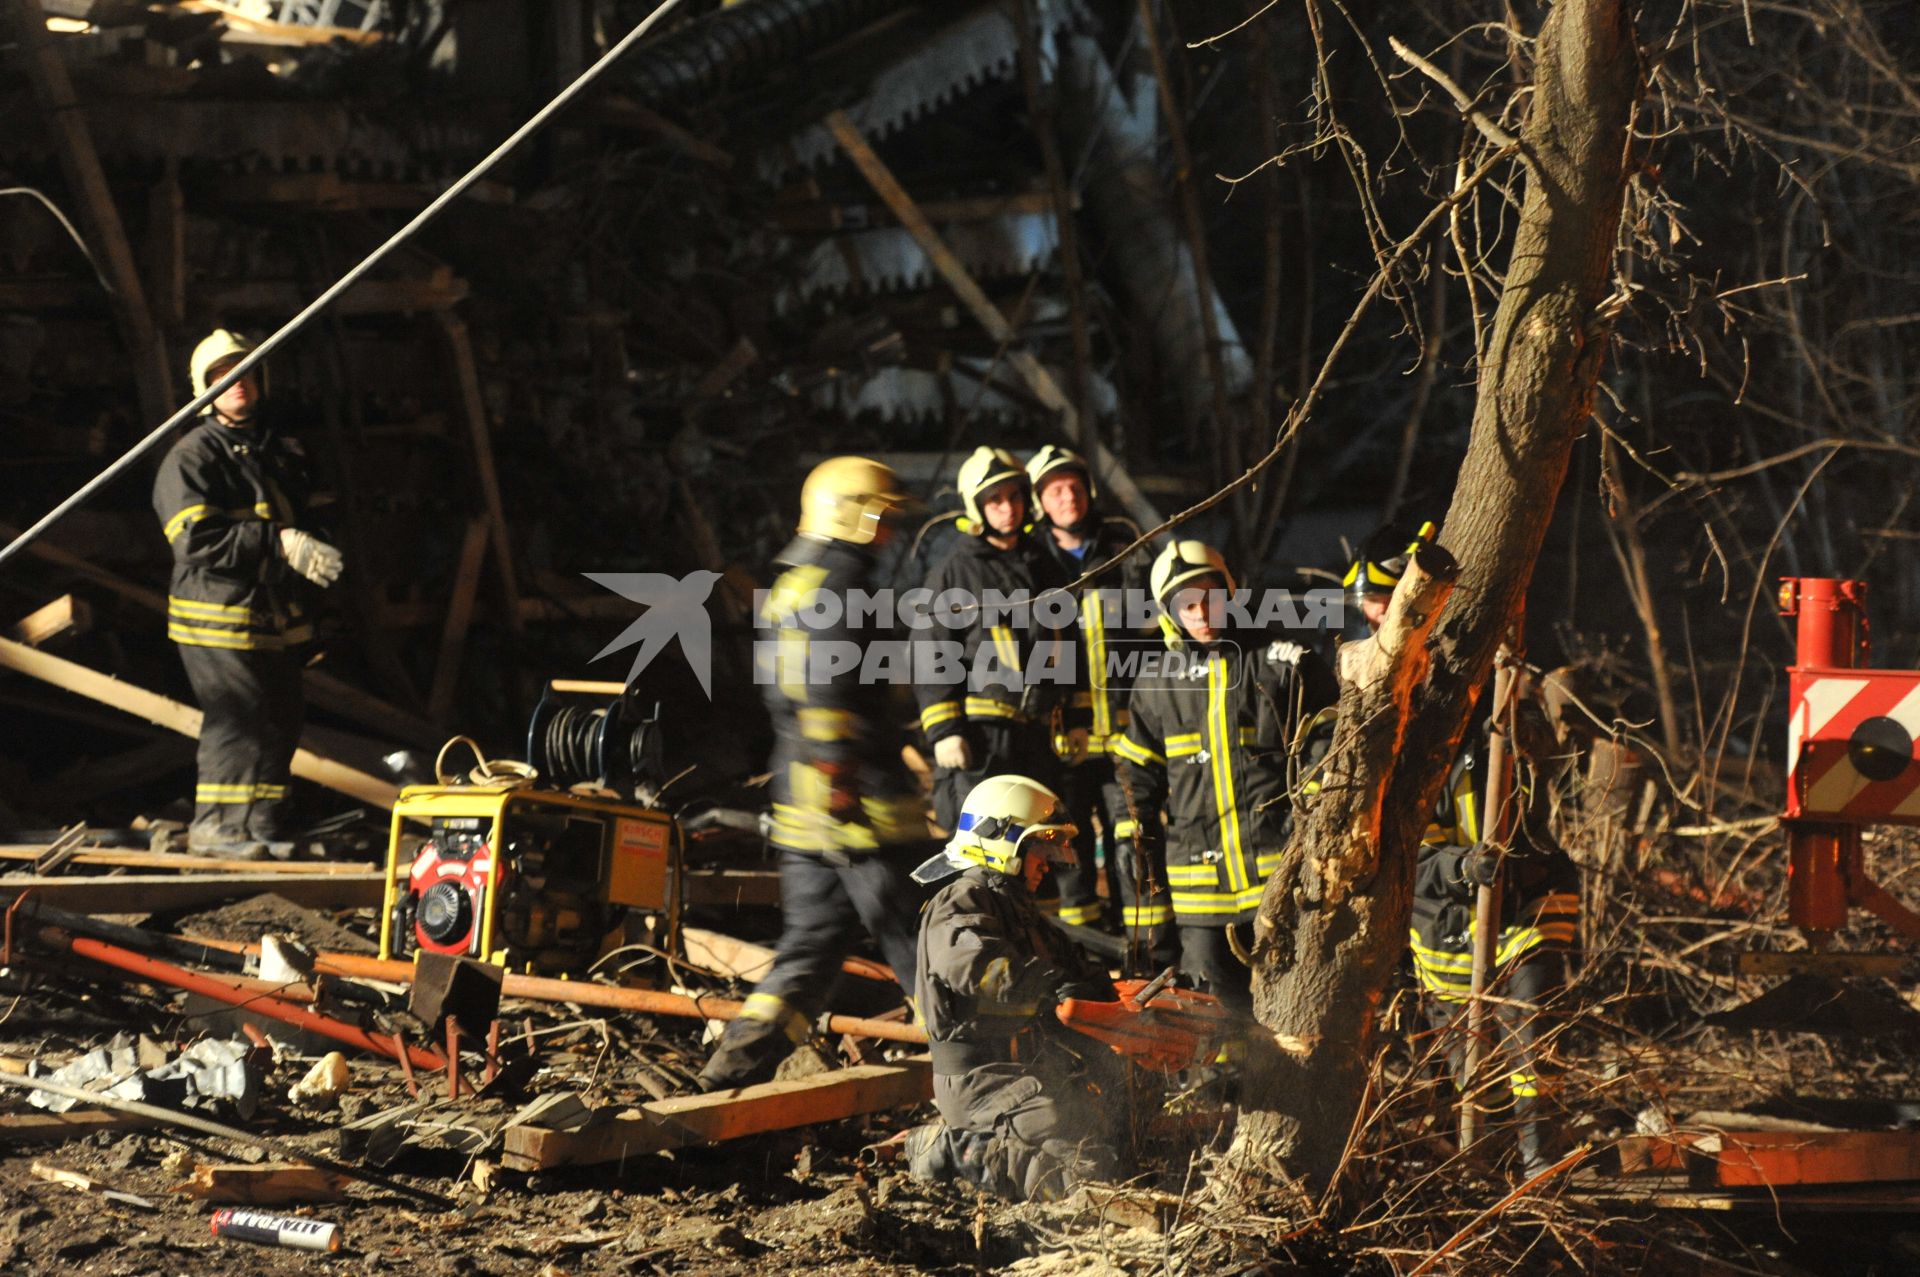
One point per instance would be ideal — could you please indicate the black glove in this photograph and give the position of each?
(1480, 865)
(1086, 988)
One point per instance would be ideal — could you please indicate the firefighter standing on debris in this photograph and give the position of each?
(1213, 735)
(1074, 533)
(229, 496)
(1027, 1107)
(989, 714)
(848, 817)
(1540, 900)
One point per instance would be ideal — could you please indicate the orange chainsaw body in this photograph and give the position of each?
(1178, 1029)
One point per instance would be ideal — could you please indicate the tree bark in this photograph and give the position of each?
(1333, 924)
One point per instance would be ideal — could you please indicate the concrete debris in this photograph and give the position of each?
(212, 1076)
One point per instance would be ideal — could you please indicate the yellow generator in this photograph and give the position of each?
(527, 878)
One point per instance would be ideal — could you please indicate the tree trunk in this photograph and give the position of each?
(1333, 924)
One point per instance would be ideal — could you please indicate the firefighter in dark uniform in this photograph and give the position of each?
(1022, 1113)
(848, 817)
(1078, 537)
(1540, 896)
(230, 495)
(989, 715)
(1213, 735)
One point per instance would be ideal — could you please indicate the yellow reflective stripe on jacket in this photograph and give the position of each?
(1004, 646)
(1183, 744)
(195, 610)
(1096, 627)
(1266, 862)
(1192, 875)
(1220, 740)
(184, 519)
(1127, 827)
(1216, 903)
(1134, 752)
(1152, 915)
(937, 713)
(987, 707)
(1080, 915)
(818, 724)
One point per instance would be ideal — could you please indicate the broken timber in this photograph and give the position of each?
(149, 893)
(174, 716)
(725, 1115)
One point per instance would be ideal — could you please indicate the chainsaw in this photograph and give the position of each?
(1155, 1025)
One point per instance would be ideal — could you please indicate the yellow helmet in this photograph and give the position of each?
(848, 498)
(1052, 458)
(985, 468)
(1185, 561)
(1003, 819)
(218, 345)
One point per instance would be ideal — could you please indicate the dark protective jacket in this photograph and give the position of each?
(830, 713)
(223, 494)
(990, 970)
(992, 685)
(1099, 703)
(1540, 895)
(1211, 737)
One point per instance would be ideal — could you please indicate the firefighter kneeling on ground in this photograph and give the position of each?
(1026, 1105)
(848, 817)
(229, 496)
(1214, 739)
(1539, 900)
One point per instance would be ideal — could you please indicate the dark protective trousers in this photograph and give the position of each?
(1033, 1130)
(1207, 958)
(1145, 910)
(823, 908)
(1516, 1025)
(251, 706)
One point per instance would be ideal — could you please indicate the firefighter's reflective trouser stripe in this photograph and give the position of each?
(1515, 1026)
(823, 908)
(1137, 887)
(251, 708)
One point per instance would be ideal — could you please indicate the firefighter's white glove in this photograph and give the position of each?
(311, 557)
(953, 753)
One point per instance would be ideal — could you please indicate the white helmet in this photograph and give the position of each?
(220, 345)
(1003, 819)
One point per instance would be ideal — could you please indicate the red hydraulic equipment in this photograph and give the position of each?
(1851, 757)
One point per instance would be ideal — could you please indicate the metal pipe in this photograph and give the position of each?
(234, 993)
(611, 997)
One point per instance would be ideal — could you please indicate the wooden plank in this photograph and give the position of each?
(533, 611)
(258, 30)
(453, 635)
(65, 615)
(820, 217)
(156, 893)
(264, 1184)
(323, 689)
(368, 297)
(37, 1128)
(725, 1115)
(94, 777)
(119, 858)
(106, 235)
(1882, 966)
(174, 716)
(466, 377)
(1779, 1159)
(1106, 466)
